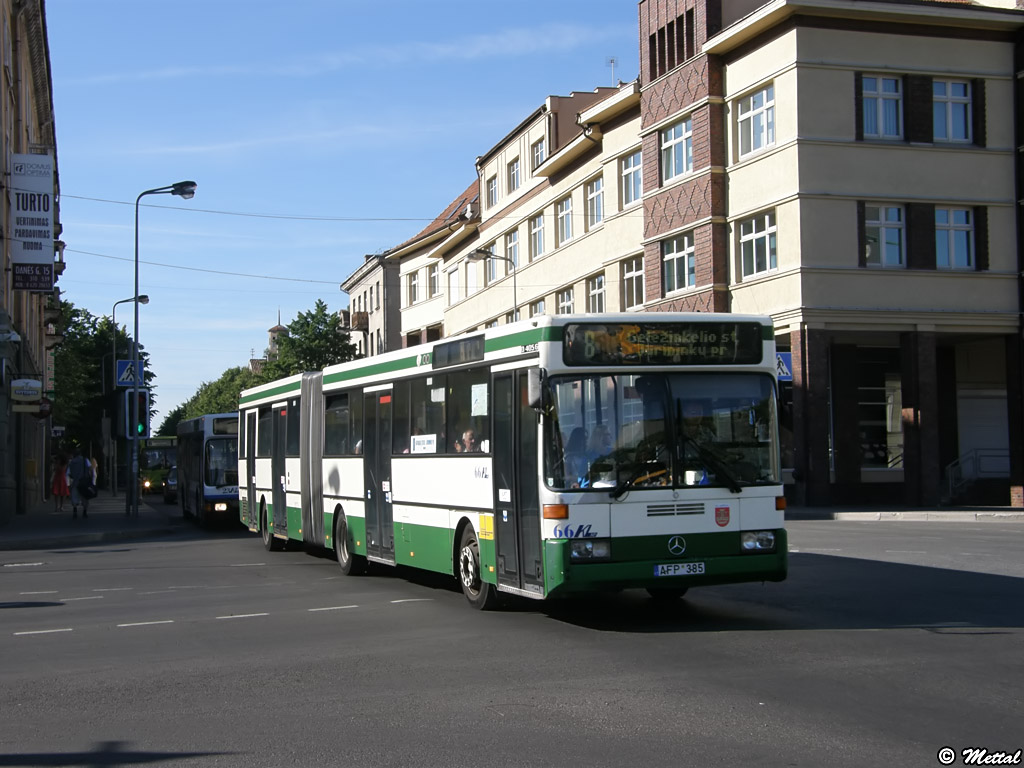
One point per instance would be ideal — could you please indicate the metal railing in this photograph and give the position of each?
(976, 464)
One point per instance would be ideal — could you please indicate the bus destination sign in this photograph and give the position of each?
(709, 343)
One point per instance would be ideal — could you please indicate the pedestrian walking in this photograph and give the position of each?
(59, 484)
(80, 478)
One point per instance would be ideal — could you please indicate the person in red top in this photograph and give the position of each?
(59, 487)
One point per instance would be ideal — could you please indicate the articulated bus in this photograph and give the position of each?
(208, 467)
(563, 454)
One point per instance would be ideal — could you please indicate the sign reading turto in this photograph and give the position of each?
(32, 207)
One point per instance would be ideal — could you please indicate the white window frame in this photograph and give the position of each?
(676, 150)
(433, 280)
(633, 288)
(954, 233)
(512, 250)
(945, 105)
(472, 278)
(514, 178)
(453, 287)
(755, 121)
(563, 217)
(889, 220)
(413, 286)
(566, 301)
(537, 307)
(492, 191)
(679, 260)
(595, 293)
(537, 236)
(755, 231)
(595, 201)
(631, 169)
(538, 153)
(875, 100)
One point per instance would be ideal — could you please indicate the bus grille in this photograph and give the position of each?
(664, 510)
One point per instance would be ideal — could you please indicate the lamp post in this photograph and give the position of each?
(185, 190)
(112, 469)
(482, 254)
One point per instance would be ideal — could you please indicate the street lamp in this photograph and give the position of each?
(483, 254)
(185, 190)
(112, 469)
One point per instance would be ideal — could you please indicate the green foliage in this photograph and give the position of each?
(316, 339)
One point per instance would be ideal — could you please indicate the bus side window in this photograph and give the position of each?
(400, 417)
(468, 409)
(336, 425)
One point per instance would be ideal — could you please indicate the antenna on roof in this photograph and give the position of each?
(611, 61)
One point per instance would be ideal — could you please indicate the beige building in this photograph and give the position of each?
(28, 301)
(849, 168)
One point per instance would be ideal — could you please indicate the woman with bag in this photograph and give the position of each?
(82, 480)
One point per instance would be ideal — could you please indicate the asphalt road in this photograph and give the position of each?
(888, 642)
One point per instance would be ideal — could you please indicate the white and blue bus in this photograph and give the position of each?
(559, 455)
(208, 467)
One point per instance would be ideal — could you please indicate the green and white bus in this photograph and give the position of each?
(559, 455)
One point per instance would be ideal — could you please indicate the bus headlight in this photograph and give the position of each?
(145, 483)
(590, 549)
(220, 507)
(757, 541)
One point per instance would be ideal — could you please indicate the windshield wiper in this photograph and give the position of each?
(640, 472)
(717, 464)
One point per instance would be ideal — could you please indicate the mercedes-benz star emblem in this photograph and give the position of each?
(677, 545)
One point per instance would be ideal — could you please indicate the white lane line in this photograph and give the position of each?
(21, 565)
(332, 608)
(47, 592)
(114, 589)
(415, 600)
(159, 592)
(821, 549)
(243, 615)
(978, 554)
(72, 599)
(906, 552)
(44, 631)
(146, 623)
(245, 565)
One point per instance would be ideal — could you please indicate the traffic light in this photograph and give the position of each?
(140, 427)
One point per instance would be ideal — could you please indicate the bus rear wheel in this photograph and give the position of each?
(480, 594)
(270, 543)
(351, 563)
(666, 593)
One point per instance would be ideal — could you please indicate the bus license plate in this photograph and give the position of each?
(679, 569)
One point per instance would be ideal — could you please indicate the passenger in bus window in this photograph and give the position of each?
(469, 442)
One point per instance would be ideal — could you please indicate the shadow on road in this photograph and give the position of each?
(105, 753)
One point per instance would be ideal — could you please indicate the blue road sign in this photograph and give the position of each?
(784, 365)
(125, 377)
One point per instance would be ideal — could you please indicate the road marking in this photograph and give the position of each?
(146, 623)
(906, 552)
(415, 600)
(47, 592)
(243, 615)
(821, 549)
(114, 589)
(245, 565)
(159, 592)
(21, 565)
(978, 554)
(44, 631)
(333, 608)
(72, 599)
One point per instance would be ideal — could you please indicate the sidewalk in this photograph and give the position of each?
(42, 528)
(910, 514)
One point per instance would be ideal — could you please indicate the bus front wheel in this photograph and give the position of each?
(351, 563)
(270, 543)
(479, 593)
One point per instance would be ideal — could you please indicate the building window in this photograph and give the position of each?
(538, 153)
(595, 294)
(434, 279)
(371, 298)
(491, 324)
(471, 283)
(490, 266)
(633, 282)
(883, 107)
(677, 150)
(565, 302)
(492, 191)
(513, 175)
(537, 236)
(512, 249)
(453, 287)
(884, 244)
(537, 308)
(632, 178)
(755, 115)
(377, 301)
(679, 263)
(413, 282)
(757, 244)
(951, 110)
(880, 407)
(954, 238)
(595, 202)
(563, 218)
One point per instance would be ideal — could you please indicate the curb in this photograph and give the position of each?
(914, 516)
(81, 539)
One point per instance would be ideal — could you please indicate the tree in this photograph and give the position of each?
(169, 427)
(315, 340)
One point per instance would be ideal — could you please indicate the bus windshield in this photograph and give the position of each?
(616, 432)
(221, 464)
(157, 457)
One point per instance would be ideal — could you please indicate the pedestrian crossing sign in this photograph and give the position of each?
(126, 373)
(784, 365)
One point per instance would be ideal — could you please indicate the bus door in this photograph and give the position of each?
(277, 468)
(380, 529)
(516, 498)
(251, 508)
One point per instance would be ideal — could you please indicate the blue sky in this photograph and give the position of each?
(318, 131)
